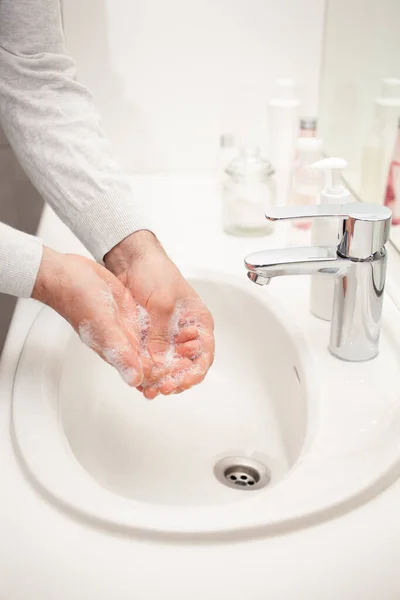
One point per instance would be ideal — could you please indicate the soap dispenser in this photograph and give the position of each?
(325, 232)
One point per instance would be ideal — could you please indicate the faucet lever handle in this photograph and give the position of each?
(354, 210)
(365, 228)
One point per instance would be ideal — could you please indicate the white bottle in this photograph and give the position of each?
(308, 127)
(380, 142)
(283, 126)
(325, 232)
(305, 185)
(305, 181)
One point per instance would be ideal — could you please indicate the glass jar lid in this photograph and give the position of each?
(249, 164)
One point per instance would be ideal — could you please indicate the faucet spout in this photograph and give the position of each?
(258, 279)
(262, 266)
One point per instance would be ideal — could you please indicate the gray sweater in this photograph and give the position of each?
(55, 132)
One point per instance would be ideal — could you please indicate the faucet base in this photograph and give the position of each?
(357, 356)
(357, 309)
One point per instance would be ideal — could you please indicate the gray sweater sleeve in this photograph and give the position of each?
(55, 131)
(20, 258)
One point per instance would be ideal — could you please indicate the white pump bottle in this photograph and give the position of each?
(325, 232)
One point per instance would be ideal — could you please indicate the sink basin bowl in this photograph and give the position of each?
(274, 396)
(163, 452)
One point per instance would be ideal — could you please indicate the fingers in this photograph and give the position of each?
(167, 386)
(159, 373)
(183, 374)
(173, 323)
(196, 373)
(190, 349)
(169, 345)
(181, 380)
(176, 347)
(187, 334)
(151, 393)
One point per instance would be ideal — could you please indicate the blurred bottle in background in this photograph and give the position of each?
(378, 148)
(392, 196)
(227, 150)
(306, 182)
(283, 129)
(308, 127)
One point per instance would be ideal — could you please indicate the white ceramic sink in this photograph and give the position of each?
(328, 431)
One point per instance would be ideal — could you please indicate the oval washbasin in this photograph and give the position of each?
(324, 432)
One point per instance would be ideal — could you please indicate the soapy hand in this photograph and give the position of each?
(176, 326)
(146, 321)
(98, 307)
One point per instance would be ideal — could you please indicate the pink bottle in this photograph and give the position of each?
(392, 195)
(308, 127)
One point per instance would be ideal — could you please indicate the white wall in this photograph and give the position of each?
(170, 76)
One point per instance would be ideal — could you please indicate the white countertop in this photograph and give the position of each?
(334, 560)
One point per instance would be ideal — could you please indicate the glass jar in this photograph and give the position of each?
(248, 191)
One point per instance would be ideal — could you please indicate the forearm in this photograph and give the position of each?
(52, 124)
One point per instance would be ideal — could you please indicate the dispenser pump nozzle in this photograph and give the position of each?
(333, 176)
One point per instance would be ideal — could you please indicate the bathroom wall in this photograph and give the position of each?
(170, 76)
(354, 64)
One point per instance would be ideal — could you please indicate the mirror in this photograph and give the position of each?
(360, 98)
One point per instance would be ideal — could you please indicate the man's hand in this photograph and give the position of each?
(178, 333)
(97, 306)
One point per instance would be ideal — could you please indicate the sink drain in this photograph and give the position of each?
(242, 473)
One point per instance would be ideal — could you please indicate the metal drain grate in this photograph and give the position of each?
(242, 473)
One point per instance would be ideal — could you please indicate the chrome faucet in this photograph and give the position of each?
(358, 264)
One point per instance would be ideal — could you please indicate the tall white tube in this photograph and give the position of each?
(283, 126)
